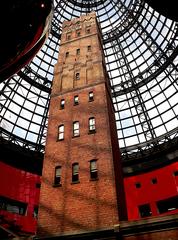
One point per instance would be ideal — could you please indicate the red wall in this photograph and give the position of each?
(166, 187)
(20, 186)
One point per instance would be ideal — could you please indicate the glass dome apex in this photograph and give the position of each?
(140, 47)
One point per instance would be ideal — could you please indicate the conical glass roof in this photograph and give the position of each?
(140, 48)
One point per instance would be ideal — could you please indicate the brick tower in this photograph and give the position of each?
(82, 187)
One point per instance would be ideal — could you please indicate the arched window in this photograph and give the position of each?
(77, 76)
(91, 96)
(62, 104)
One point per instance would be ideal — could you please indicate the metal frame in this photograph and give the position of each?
(140, 48)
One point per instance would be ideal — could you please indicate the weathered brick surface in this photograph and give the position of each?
(87, 205)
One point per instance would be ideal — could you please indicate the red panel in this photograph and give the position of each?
(21, 186)
(166, 187)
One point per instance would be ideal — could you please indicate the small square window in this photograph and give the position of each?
(154, 180)
(138, 185)
(176, 173)
(38, 185)
(68, 37)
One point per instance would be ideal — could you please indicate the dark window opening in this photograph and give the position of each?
(38, 185)
(78, 34)
(13, 206)
(77, 76)
(138, 185)
(89, 48)
(93, 170)
(167, 205)
(57, 176)
(62, 104)
(176, 173)
(67, 54)
(154, 181)
(91, 96)
(78, 51)
(75, 172)
(76, 100)
(68, 37)
(35, 212)
(145, 210)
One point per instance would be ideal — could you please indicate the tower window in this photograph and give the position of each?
(62, 103)
(77, 76)
(57, 176)
(75, 172)
(68, 37)
(61, 132)
(78, 51)
(93, 170)
(76, 100)
(88, 30)
(92, 127)
(89, 48)
(67, 54)
(76, 130)
(145, 210)
(91, 96)
(78, 33)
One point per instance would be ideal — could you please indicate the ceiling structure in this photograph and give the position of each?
(140, 47)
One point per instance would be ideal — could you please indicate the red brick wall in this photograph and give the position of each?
(88, 204)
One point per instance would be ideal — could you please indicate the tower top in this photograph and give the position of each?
(83, 18)
(77, 24)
